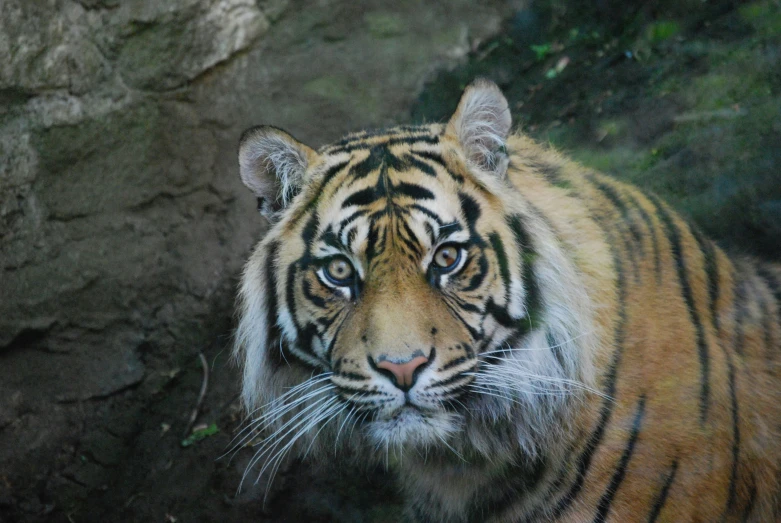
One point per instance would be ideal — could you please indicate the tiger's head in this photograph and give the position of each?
(405, 291)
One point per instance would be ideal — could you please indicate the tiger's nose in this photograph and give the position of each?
(405, 373)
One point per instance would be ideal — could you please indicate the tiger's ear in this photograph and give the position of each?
(273, 165)
(481, 125)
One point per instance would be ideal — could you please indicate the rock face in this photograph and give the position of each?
(123, 224)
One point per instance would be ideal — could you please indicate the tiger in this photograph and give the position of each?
(517, 337)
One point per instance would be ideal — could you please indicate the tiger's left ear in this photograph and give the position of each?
(273, 166)
(481, 124)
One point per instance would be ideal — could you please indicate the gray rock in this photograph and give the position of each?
(123, 223)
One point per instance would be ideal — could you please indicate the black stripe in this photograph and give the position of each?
(373, 241)
(326, 321)
(501, 257)
(428, 212)
(466, 306)
(276, 357)
(476, 334)
(351, 238)
(674, 237)
(390, 132)
(774, 284)
(330, 238)
(733, 480)
(290, 291)
(304, 338)
(470, 210)
(309, 231)
(379, 157)
(523, 242)
(432, 238)
(612, 194)
(421, 166)
(363, 197)
(325, 180)
(482, 270)
(431, 156)
(603, 508)
(331, 344)
(352, 376)
(412, 190)
(626, 221)
(459, 376)
(350, 219)
(330, 173)
(549, 171)
(649, 223)
(414, 248)
(712, 271)
(359, 144)
(411, 235)
(656, 508)
(317, 301)
(741, 311)
(447, 229)
(454, 363)
(501, 315)
(752, 498)
(437, 158)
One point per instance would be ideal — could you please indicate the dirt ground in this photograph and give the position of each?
(683, 99)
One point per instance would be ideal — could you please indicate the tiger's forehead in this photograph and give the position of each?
(393, 136)
(392, 162)
(391, 187)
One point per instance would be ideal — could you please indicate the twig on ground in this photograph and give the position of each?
(201, 395)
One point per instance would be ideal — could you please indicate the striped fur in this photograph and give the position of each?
(592, 358)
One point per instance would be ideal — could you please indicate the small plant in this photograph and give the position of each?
(200, 433)
(541, 51)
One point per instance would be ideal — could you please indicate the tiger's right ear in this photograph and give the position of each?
(273, 166)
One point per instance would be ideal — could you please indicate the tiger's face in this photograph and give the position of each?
(394, 289)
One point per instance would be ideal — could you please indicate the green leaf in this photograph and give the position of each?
(198, 435)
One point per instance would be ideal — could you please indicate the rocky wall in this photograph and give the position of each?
(123, 224)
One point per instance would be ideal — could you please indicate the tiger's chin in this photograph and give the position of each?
(410, 427)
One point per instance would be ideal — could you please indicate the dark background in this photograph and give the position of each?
(123, 224)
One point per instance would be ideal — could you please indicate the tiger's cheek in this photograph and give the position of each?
(319, 313)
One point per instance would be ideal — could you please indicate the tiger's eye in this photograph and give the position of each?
(446, 256)
(339, 271)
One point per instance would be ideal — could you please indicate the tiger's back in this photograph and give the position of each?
(693, 433)
(587, 356)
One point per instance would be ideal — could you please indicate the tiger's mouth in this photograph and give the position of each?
(406, 413)
(412, 426)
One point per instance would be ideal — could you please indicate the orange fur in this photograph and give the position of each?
(684, 340)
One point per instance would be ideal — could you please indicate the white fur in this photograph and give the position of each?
(272, 164)
(481, 124)
(251, 339)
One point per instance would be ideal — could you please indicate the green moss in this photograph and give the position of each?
(332, 87)
(735, 80)
(662, 30)
(385, 25)
(541, 51)
(764, 16)
(620, 160)
(697, 125)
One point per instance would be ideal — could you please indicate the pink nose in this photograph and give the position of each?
(403, 372)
